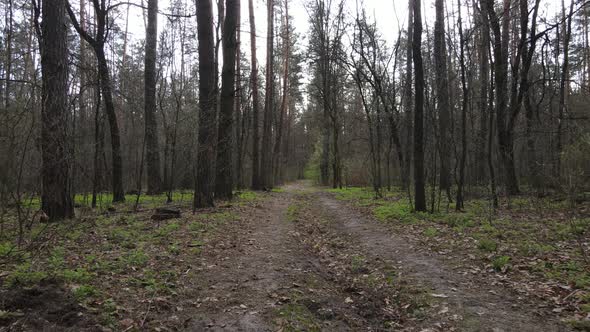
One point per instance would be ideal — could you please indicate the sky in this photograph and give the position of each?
(381, 10)
(390, 16)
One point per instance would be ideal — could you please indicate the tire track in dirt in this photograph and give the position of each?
(248, 275)
(481, 307)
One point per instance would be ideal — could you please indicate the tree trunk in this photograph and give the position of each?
(278, 164)
(98, 143)
(238, 107)
(117, 162)
(266, 158)
(407, 163)
(224, 179)
(207, 113)
(500, 50)
(460, 199)
(442, 94)
(154, 180)
(563, 85)
(256, 182)
(484, 70)
(56, 198)
(419, 192)
(8, 61)
(97, 42)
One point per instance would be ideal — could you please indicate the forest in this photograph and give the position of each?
(294, 165)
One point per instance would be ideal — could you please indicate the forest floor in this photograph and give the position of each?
(299, 258)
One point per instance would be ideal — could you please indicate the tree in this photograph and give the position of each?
(442, 95)
(56, 198)
(256, 181)
(563, 83)
(464, 104)
(207, 112)
(269, 103)
(224, 180)
(409, 105)
(277, 163)
(419, 192)
(154, 180)
(97, 42)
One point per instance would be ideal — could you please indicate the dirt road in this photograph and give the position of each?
(301, 260)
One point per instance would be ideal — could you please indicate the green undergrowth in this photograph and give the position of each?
(97, 255)
(105, 200)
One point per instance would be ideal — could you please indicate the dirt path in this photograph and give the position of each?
(299, 260)
(480, 306)
(255, 271)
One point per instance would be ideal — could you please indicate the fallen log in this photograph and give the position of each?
(165, 213)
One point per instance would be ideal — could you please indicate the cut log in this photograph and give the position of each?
(165, 213)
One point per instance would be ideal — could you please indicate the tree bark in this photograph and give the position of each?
(56, 198)
(154, 179)
(563, 85)
(409, 105)
(224, 179)
(238, 108)
(419, 191)
(256, 182)
(278, 163)
(442, 94)
(207, 113)
(8, 61)
(465, 102)
(266, 157)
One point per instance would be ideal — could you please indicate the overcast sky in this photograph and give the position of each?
(382, 10)
(389, 15)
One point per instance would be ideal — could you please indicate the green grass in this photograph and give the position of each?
(292, 211)
(500, 262)
(297, 317)
(247, 196)
(487, 245)
(85, 291)
(430, 232)
(104, 200)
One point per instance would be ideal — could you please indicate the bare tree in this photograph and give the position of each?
(207, 113)
(442, 95)
(154, 179)
(56, 199)
(269, 102)
(97, 42)
(419, 191)
(224, 179)
(277, 163)
(256, 181)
